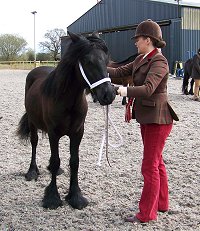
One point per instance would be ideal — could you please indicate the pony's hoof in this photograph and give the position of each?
(51, 199)
(77, 202)
(32, 175)
(48, 203)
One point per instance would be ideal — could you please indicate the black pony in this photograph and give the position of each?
(187, 74)
(55, 103)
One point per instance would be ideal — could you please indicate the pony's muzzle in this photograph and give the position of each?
(105, 93)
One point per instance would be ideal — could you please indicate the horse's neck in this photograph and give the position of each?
(75, 88)
(71, 97)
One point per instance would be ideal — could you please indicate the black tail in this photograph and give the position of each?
(23, 130)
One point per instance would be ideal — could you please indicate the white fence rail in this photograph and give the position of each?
(26, 64)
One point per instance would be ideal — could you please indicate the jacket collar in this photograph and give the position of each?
(142, 61)
(152, 53)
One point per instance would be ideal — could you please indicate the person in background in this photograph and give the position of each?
(151, 109)
(196, 75)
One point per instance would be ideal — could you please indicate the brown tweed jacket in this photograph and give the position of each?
(150, 77)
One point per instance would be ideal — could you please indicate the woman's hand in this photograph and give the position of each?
(122, 91)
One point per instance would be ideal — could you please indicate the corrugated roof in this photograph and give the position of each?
(118, 13)
(195, 4)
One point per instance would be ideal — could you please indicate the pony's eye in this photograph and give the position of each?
(87, 62)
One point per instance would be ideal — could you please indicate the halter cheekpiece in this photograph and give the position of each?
(93, 85)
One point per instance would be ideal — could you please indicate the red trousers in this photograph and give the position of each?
(155, 190)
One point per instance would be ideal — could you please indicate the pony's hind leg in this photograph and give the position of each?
(74, 197)
(51, 198)
(33, 171)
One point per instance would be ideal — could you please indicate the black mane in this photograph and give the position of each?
(59, 79)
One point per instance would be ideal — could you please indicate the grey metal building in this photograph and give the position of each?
(116, 21)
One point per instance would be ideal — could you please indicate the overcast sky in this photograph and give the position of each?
(16, 17)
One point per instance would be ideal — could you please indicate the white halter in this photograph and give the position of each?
(93, 85)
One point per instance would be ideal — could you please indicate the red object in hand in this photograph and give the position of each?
(128, 114)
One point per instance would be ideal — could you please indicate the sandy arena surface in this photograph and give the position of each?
(113, 192)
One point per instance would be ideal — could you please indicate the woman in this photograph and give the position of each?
(196, 75)
(151, 109)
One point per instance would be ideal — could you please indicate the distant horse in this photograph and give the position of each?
(55, 103)
(187, 74)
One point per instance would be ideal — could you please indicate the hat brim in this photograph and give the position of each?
(144, 35)
(134, 37)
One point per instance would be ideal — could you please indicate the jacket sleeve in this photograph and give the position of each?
(120, 72)
(158, 70)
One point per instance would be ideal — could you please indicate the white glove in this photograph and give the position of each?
(122, 91)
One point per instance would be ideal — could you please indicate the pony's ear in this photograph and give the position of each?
(96, 34)
(74, 37)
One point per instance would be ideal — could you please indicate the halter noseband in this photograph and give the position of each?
(93, 85)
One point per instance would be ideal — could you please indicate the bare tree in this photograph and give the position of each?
(52, 45)
(11, 46)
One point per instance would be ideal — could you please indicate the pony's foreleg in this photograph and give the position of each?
(74, 197)
(33, 171)
(191, 92)
(51, 198)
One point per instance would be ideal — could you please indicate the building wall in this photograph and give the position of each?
(116, 20)
(190, 32)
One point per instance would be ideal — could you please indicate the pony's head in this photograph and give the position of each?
(92, 59)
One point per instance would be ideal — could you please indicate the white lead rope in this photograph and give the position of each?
(105, 136)
(105, 139)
